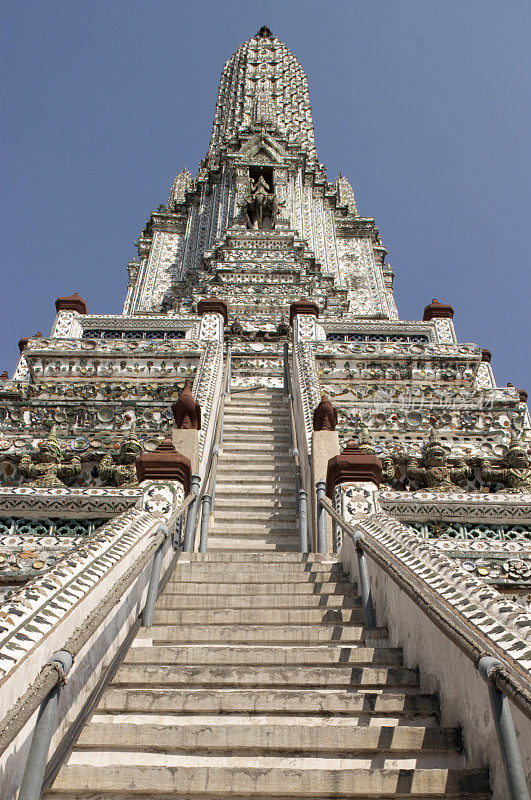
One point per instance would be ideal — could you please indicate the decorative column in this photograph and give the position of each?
(485, 375)
(352, 481)
(442, 315)
(214, 315)
(325, 445)
(164, 476)
(66, 324)
(303, 316)
(133, 268)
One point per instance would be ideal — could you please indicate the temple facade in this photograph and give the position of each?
(259, 359)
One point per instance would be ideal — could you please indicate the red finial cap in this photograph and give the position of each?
(352, 466)
(303, 306)
(164, 463)
(213, 305)
(436, 310)
(71, 303)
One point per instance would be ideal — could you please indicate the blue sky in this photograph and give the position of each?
(423, 104)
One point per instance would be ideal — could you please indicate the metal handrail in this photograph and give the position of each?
(300, 492)
(207, 495)
(503, 681)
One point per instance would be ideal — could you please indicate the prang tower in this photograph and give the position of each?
(258, 366)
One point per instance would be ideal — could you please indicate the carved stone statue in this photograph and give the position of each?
(123, 473)
(324, 415)
(514, 470)
(186, 412)
(433, 471)
(47, 466)
(260, 207)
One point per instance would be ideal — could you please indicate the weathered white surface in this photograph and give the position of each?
(444, 669)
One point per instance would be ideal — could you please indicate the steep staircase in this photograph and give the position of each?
(255, 491)
(258, 679)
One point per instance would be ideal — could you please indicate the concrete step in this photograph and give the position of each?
(262, 483)
(248, 500)
(265, 433)
(257, 410)
(268, 465)
(244, 421)
(213, 570)
(274, 634)
(241, 423)
(270, 438)
(269, 543)
(265, 528)
(206, 776)
(231, 446)
(170, 735)
(302, 589)
(272, 472)
(259, 677)
(284, 601)
(249, 616)
(255, 496)
(322, 655)
(246, 401)
(315, 702)
(260, 558)
(205, 573)
(245, 511)
(261, 462)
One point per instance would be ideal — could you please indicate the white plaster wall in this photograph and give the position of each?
(445, 670)
(97, 653)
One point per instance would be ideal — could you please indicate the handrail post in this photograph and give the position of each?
(154, 579)
(31, 785)
(191, 517)
(365, 583)
(303, 521)
(229, 369)
(206, 505)
(503, 722)
(285, 370)
(321, 518)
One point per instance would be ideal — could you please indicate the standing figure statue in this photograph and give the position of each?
(47, 466)
(123, 473)
(433, 471)
(514, 470)
(260, 207)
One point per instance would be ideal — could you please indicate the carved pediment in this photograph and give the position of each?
(262, 149)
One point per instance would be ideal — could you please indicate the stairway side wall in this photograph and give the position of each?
(444, 669)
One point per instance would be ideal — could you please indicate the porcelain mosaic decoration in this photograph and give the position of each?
(258, 227)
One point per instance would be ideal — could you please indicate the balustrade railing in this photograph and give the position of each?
(504, 681)
(208, 494)
(45, 691)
